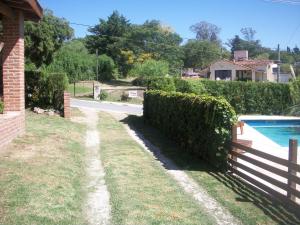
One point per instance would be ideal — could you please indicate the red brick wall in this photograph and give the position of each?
(12, 123)
(67, 110)
(13, 63)
(11, 126)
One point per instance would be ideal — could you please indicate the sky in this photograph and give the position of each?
(276, 21)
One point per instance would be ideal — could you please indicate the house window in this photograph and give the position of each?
(243, 75)
(223, 74)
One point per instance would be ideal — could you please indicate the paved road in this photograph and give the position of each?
(110, 107)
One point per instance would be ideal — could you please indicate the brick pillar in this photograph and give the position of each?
(67, 110)
(13, 62)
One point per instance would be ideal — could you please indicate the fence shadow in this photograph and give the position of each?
(276, 210)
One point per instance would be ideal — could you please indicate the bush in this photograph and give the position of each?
(201, 125)
(125, 96)
(150, 68)
(252, 97)
(107, 68)
(156, 83)
(295, 91)
(245, 97)
(103, 95)
(189, 86)
(45, 90)
(1, 107)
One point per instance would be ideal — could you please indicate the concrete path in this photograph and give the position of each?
(108, 107)
(221, 215)
(97, 206)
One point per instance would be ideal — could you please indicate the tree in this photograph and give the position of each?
(296, 50)
(158, 41)
(107, 68)
(150, 68)
(254, 47)
(74, 59)
(199, 54)
(109, 38)
(248, 33)
(206, 31)
(43, 39)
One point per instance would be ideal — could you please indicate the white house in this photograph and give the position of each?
(243, 68)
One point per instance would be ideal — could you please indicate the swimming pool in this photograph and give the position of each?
(279, 131)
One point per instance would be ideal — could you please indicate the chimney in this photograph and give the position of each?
(240, 55)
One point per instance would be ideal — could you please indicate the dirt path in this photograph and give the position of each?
(221, 215)
(97, 206)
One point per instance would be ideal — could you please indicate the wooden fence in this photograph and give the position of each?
(251, 164)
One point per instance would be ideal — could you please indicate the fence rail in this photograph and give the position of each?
(260, 168)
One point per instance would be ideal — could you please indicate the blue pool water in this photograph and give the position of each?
(279, 131)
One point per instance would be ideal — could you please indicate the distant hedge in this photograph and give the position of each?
(201, 125)
(252, 97)
(245, 97)
(45, 90)
(1, 107)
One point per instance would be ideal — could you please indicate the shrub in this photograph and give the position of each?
(252, 97)
(245, 97)
(156, 83)
(150, 68)
(103, 95)
(1, 107)
(140, 81)
(189, 86)
(125, 96)
(201, 125)
(107, 68)
(45, 90)
(295, 91)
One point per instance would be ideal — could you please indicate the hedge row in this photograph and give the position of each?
(1, 107)
(252, 97)
(45, 90)
(246, 97)
(199, 124)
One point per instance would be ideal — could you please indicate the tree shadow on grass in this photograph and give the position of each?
(273, 208)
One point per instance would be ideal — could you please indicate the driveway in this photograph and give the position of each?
(108, 106)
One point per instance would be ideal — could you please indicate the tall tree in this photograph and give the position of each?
(74, 59)
(108, 37)
(199, 54)
(161, 42)
(206, 31)
(43, 39)
(254, 47)
(249, 33)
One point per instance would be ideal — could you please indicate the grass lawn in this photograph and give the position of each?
(243, 202)
(42, 174)
(141, 191)
(80, 90)
(85, 91)
(116, 96)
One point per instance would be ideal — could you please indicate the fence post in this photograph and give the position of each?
(293, 148)
(233, 139)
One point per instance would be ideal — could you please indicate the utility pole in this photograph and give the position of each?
(97, 66)
(221, 56)
(278, 64)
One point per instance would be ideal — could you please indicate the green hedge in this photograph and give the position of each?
(1, 107)
(252, 97)
(45, 90)
(189, 86)
(245, 97)
(199, 124)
